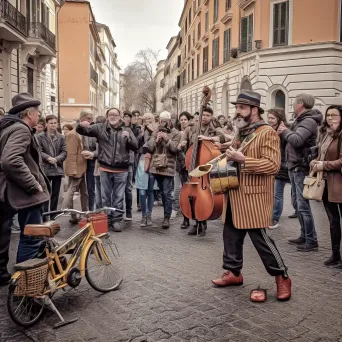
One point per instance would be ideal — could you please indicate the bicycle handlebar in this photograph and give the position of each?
(74, 211)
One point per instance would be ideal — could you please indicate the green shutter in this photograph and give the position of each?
(244, 32)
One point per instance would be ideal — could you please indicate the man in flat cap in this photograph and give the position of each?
(23, 185)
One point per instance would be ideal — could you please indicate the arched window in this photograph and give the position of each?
(246, 84)
(279, 99)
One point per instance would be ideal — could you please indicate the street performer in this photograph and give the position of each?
(249, 207)
(210, 131)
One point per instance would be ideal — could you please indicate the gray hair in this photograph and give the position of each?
(307, 100)
(26, 111)
(85, 112)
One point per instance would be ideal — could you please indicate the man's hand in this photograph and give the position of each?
(87, 154)
(181, 145)
(125, 134)
(159, 137)
(39, 188)
(281, 128)
(234, 155)
(52, 160)
(84, 124)
(203, 137)
(165, 137)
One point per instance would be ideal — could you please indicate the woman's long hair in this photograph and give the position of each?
(325, 125)
(280, 114)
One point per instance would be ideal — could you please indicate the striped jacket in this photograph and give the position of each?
(252, 202)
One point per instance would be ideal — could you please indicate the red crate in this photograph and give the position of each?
(100, 223)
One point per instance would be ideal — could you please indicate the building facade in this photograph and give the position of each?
(160, 83)
(170, 90)
(89, 73)
(279, 48)
(28, 51)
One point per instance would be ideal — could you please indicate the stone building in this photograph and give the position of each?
(28, 51)
(160, 83)
(279, 48)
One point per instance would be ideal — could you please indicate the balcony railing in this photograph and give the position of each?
(13, 17)
(94, 75)
(39, 30)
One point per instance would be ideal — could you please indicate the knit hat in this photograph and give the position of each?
(165, 115)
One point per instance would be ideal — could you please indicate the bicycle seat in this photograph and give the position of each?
(48, 229)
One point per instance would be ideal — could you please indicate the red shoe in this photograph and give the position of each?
(283, 288)
(228, 279)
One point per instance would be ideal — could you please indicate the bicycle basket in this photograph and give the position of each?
(33, 277)
(100, 223)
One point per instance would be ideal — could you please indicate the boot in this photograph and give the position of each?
(228, 279)
(202, 227)
(166, 223)
(334, 259)
(298, 241)
(186, 223)
(283, 288)
(193, 230)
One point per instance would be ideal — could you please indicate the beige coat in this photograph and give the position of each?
(252, 202)
(75, 165)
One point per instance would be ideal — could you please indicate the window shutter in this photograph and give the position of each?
(250, 33)
(244, 28)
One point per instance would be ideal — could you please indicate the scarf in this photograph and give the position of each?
(243, 133)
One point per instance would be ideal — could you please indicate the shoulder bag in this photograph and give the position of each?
(314, 186)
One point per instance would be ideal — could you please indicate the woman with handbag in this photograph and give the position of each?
(144, 180)
(329, 162)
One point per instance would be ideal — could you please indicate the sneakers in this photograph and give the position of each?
(308, 247)
(15, 229)
(128, 216)
(143, 222)
(116, 227)
(298, 241)
(275, 225)
(149, 222)
(294, 215)
(174, 214)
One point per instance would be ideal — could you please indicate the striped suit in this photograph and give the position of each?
(252, 202)
(249, 208)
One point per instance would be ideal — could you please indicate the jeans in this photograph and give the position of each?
(302, 207)
(334, 211)
(147, 198)
(28, 245)
(177, 182)
(128, 192)
(279, 186)
(113, 186)
(98, 197)
(52, 205)
(74, 184)
(91, 184)
(165, 184)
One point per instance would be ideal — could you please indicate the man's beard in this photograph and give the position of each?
(113, 122)
(242, 122)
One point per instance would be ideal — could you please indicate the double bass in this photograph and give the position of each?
(197, 201)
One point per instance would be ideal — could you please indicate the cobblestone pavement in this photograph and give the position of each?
(167, 293)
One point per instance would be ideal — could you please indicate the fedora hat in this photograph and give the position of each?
(23, 101)
(248, 97)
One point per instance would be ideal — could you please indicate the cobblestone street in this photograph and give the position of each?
(167, 292)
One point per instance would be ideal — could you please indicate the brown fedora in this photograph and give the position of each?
(250, 98)
(23, 101)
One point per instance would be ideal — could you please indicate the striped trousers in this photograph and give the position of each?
(233, 240)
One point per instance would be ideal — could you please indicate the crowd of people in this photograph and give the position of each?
(103, 159)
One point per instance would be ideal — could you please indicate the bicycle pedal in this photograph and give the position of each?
(64, 323)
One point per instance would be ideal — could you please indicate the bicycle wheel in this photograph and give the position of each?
(102, 271)
(25, 311)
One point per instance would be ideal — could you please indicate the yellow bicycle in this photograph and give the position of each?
(63, 265)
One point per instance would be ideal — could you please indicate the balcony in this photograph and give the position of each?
(243, 4)
(13, 26)
(42, 39)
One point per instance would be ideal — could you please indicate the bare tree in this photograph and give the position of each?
(139, 86)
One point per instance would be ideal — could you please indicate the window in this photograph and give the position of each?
(215, 56)
(206, 21)
(53, 77)
(198, 64)
(247, 33)
(193, 37)
(226, 46)
(193, 69)
(30, 81)
(205, 59)
(216, 10)
(189, 42)
(186, 25)
(228, 4)
(189, 71)
(279, 99)
(280, 23)
(190, 19)
(199, 31)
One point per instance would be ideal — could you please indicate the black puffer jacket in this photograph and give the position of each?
(113, 148)
(300, 137)
(283, 173)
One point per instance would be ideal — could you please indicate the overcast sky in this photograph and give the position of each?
(137, 24)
